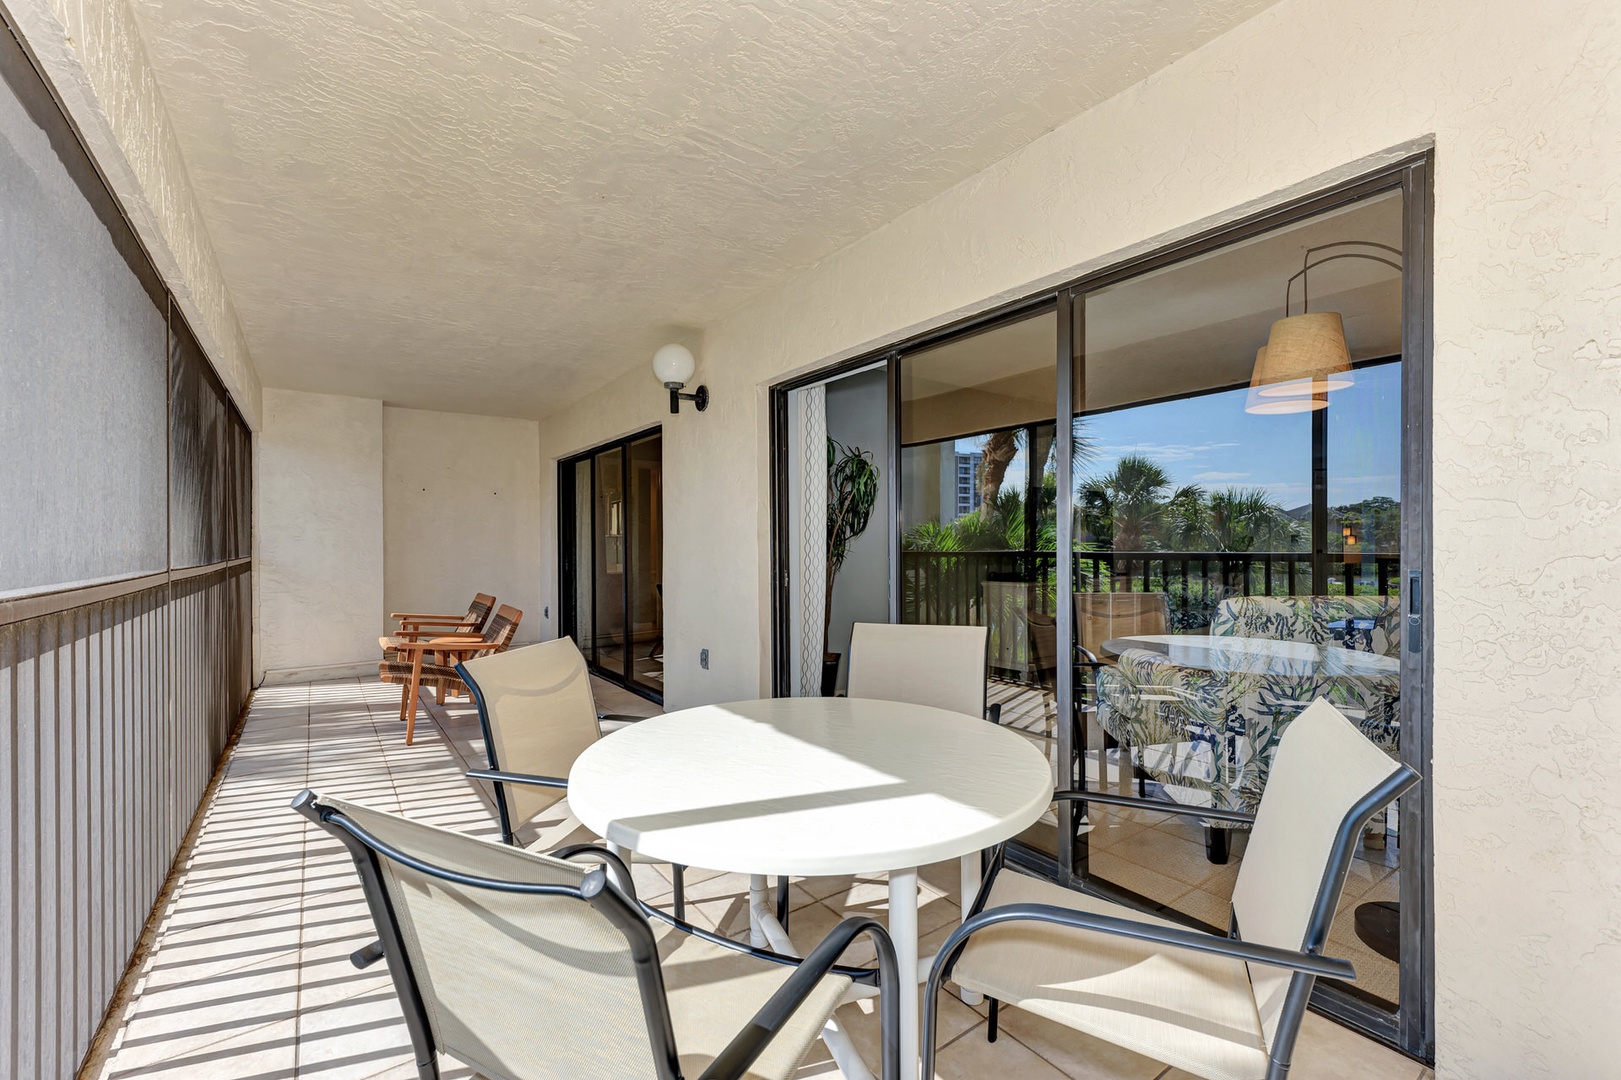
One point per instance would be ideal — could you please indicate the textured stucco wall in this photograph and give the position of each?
(93, 56)
(320, 517)
(1519, 100)
(461, 513)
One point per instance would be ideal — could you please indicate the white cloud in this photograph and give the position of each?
(1164, 452)
(1219, 477)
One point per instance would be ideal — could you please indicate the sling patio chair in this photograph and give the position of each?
(939, 666)
(944, 667)
(1225, 1008)
(414, 626)
(538, 715)
(431, 662)
(533, 967)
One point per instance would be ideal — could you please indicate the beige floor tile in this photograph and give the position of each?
(1074, 1054)
(251, 977)
(266, 1051)
(970, 1057)
(861, 1020)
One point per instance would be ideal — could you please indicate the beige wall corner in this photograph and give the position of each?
(461, 514)
(92, 54)
(320, 516)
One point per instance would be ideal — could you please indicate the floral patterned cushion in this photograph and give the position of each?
(1368, 623)
(1209, 736)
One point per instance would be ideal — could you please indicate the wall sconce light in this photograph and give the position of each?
(1306, 356)
(673, 365)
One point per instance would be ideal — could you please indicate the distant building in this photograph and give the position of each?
(964, 480)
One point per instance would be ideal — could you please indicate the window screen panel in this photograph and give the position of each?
(82, 378)
(201, 471)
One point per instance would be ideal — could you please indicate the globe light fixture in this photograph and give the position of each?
(673, 366)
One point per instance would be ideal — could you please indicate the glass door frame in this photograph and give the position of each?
(1411, 1028)
(570, 563)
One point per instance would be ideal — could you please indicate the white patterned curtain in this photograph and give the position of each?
(807, 531)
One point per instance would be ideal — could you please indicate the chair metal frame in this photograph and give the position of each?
(613, 896)
(499, 778)
(1307, 962)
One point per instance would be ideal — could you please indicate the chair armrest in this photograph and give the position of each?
(438, 630)
(421, 616)
(1174, 937)
(994, 712)
(499, 777)
(441, 645)
(1151, 804)
(1091, 658)
(864, 976)
(604, 856)
(619, 716)
(733, 1062)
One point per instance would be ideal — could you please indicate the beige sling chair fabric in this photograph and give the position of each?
(939, 666)
(1209, 1015)
(529, 987)
(541, 715)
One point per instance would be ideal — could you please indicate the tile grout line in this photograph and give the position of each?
(303, 905)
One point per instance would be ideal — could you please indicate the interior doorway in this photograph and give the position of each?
(832, 426)
(611, 564)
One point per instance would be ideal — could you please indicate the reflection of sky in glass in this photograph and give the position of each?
(1212, 442)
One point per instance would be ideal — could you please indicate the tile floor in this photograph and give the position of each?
(249, 978)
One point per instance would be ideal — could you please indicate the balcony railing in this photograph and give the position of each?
(973, 587)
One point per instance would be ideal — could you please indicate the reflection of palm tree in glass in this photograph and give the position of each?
(1134, 508)
(1002, 448)
(1129, 507)
(1246, 519)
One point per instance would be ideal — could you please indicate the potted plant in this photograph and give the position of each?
(852, 492)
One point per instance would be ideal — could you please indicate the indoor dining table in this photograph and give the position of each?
(1259, 656)
(815, 786)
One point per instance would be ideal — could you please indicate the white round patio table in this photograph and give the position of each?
(814, 786)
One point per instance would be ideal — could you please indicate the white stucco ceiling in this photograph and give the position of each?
(497, 207)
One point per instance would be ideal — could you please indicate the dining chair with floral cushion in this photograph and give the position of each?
(1209, 736)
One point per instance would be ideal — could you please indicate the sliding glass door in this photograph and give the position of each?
(1186, 497)
(611, 538)
(1237, 553)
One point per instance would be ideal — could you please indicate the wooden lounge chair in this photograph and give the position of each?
(432, 662)
(414, 626)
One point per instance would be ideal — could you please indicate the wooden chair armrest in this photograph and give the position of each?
(455, 630)
(446, 645)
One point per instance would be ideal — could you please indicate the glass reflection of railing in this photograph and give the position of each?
(950, 587)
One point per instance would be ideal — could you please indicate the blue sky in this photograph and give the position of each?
(1211, 441)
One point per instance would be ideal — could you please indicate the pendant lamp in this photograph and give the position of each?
(1305, 356)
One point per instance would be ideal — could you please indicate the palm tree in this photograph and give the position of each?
(1002, 449)
(1246, 519)
(1126, 507)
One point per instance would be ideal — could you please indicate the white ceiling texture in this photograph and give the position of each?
(497, 207)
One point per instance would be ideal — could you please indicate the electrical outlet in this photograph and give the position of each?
(703, 659)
